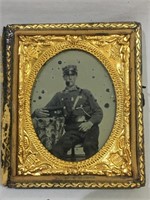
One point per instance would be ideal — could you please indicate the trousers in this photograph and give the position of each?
(89, 141)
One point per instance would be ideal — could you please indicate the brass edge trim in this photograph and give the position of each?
(112, 25)
(77, 185)
(140, 134)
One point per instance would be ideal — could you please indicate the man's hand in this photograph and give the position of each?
(41, 112)
(85, 126)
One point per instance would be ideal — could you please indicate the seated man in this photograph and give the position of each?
(82, 115)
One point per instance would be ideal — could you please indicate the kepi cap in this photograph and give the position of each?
(70, 70)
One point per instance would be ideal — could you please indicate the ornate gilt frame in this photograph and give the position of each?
(25, 163)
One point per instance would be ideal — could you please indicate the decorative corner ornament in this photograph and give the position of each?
(82, 128)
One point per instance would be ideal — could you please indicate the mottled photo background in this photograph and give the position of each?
(92, 75)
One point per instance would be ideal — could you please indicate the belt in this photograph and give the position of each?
(74, 123)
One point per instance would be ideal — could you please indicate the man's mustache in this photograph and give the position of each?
(67, 83)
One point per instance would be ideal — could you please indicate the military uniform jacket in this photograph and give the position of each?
(76, 102)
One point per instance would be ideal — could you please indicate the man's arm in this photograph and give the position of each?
(97, 113)
(96, 116)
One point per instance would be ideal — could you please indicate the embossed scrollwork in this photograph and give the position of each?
(115, 161)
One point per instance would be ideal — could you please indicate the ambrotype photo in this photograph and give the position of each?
(69, 116)
(73, 105)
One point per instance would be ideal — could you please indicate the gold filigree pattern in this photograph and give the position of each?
(118, 161)
(78, 185)
(75, 26)
(118, 165)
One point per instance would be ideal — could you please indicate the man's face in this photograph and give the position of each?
(70, 80)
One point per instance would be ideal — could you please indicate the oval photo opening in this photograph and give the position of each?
(73, 105)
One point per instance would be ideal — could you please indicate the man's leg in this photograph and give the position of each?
(90, 144)
(66, 142)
